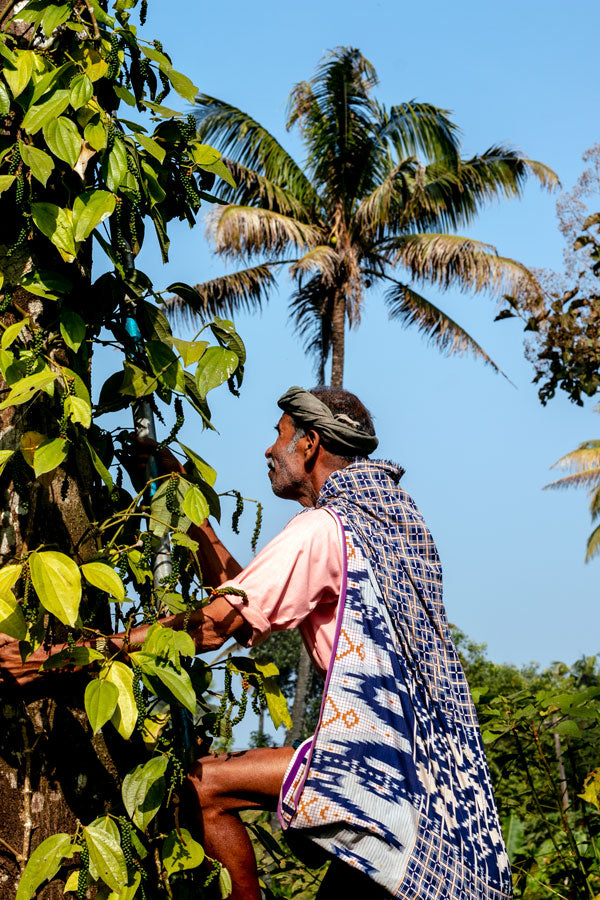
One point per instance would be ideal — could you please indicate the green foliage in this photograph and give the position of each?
(541, 731)
(281, 875)
(80, 184)
(44, 863)
(563, 328)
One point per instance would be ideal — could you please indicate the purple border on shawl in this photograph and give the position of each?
(308, 751)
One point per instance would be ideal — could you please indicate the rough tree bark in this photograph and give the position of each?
(53, 771)
(338, 328)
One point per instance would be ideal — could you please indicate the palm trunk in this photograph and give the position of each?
(338, 328)
(303, 680)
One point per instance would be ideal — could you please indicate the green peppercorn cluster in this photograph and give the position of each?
(148, 608)
(122, 567)
(239, 509)
(36, 350)
(84, 868)
(166, 84)
(224, 723)
(123, 248)
(243, 703)
(138, 696)
(179, 420)
(6, 300)
(259, 700)
(214, 872)
(188, 183)
(15, 160)
(113, 57)
(257, 526)
(178, 556)
(28, 607)
(176, 772)
(126, 847)
(171, 493)
(225, 701)
(146, 538)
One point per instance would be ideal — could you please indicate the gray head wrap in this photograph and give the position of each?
(338, 432)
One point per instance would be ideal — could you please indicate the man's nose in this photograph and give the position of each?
(268, 451)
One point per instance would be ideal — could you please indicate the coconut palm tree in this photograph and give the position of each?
(375, 202)
(584, 463)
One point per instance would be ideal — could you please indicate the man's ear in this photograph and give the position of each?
(312, 444)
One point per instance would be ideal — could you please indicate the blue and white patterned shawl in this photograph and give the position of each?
(395, 780)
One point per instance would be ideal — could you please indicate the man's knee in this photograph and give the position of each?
(205, 782)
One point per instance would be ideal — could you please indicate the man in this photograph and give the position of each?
(394, 784)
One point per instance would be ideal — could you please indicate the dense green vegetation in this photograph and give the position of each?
(90, 156)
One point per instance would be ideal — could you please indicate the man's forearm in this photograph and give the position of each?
(216, 562)
(209, 627)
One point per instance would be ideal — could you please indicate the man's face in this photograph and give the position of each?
(286, 461)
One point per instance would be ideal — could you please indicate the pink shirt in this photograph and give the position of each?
(295, 581)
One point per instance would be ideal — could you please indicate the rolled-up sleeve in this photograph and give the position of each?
(296, 572)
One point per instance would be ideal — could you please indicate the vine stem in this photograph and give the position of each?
(27, 795)
(93, 18)
(11, 849)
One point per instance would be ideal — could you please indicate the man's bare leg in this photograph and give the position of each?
(220, 787)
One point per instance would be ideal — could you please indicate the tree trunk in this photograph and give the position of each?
(53, 772)
(303, 680)
(338, 329)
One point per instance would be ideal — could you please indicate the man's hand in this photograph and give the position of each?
(137, 456)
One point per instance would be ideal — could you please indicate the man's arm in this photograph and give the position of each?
(216, 562)
(209, 627)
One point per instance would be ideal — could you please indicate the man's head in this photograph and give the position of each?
(320, 431)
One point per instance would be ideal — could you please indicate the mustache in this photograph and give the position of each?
(270, 465)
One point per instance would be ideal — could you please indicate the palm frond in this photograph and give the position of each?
(546, 176)
(242, 139)
(415, 127)
(586, 456)
(595, 503)
(323, 259)
(411, 308)
(253, 189)
(593, 544)
(336, 117)
(450, 260)
(244, 290)
(589, 478)
(245, 231)
(447, 194)
(389, 199)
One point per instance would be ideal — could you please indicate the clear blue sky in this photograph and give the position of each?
(476, 449)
